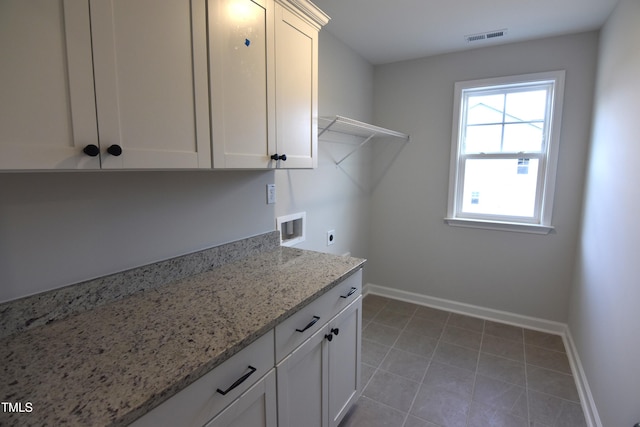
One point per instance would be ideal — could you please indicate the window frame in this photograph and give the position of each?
(540, 223)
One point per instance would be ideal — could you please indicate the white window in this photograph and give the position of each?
(504, 152)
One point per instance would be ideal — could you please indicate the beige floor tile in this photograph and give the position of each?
(441, 407)
(455, 355)
(462, 337)
(502, 347)
(369, 413)
(544, 340)
(466, 322)
(391, 390)
(502, 369)
(474, 373)
(405, 364)
(548, 359)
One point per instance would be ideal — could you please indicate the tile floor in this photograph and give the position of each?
(423, 367)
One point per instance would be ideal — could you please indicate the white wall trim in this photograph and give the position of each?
(591, 414)
(588, 404)
(469, 309)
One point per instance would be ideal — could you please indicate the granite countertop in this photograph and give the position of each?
(112, 364)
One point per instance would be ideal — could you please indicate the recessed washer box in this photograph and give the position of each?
(292, 228)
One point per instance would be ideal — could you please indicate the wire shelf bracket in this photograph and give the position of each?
(366, 131)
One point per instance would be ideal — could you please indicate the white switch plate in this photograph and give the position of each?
(271, 194)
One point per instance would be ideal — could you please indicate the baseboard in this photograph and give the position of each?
(468, 309)
(588, 403)
(586, 398)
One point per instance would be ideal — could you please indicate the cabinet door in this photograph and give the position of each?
(47, 107)
(254, 408)
(242, 83)
(302, 380)
(296, 90)
(344, 361)
(151, 82)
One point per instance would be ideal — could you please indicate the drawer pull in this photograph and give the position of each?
(313, 322)
(238, 381)
(351, 292)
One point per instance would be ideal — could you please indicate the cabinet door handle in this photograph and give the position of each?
(277, 157)
(335, 331)
(351, 292)
(114, 150)
(310, 324)
(91, 150)
(238, 381)
(329, 337)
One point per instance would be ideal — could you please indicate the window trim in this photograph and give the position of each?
(549, 159)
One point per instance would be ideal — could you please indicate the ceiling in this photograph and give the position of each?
(384, 31)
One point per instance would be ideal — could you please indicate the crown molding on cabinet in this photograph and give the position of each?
(307, 11)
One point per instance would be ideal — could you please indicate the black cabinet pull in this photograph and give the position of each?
(276, 157)
(351, 292)
(238, 381)
(114, 150)
(313, 322)
(91, 150)
(335, 331)
(329, 337)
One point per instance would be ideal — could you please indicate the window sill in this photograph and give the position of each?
(499, 225)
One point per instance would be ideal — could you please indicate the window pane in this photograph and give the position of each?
(500, 187)
(523, 137)
(482, 139)
(526, 106)
(485, 109)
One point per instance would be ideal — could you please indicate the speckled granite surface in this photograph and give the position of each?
(49, 306)
(112, 364)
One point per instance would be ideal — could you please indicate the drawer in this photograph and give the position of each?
(201, 401)
(311, 318)
(345, 292)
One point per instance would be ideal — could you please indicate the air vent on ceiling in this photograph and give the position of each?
(485, 36)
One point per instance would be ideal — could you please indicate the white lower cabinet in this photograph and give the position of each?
(344, 361)
(320, 380)
(302, 390)
(303, 373)
(254, 408)
(222, 387)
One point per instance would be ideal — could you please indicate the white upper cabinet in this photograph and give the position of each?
(242, 83)
(264, 88)
(47, 105)
(296, 90)
(147, 107)
(150, 65)
(148, 84)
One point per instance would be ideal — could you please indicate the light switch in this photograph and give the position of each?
(271, 194)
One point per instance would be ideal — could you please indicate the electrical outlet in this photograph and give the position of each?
(331, 237)
(271, 194)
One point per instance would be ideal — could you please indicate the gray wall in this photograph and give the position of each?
(412, 249)
(604, 305)
(334, 198)
(60, 228)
